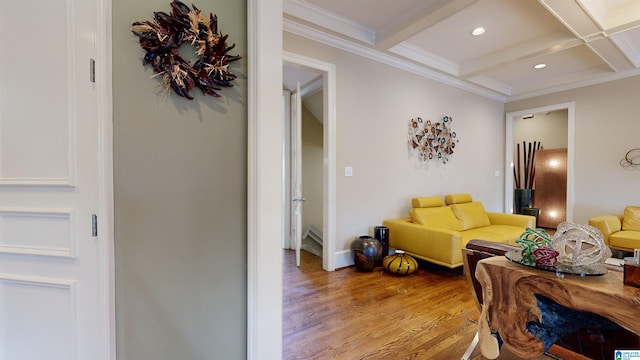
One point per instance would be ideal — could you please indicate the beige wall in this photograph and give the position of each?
(374, 105)
(606, 128)
(180, 202)
(549, 129)
(312, 161)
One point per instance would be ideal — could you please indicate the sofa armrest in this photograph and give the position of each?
(439, 246)
(523, 221)
(607, 224)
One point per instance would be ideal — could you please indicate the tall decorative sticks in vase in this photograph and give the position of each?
(524, 176)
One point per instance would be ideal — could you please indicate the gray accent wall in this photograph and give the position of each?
(180, 201)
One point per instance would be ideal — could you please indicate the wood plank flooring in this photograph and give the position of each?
(348, 314)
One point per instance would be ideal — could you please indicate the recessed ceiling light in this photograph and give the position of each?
(478, 31)
(540, 66)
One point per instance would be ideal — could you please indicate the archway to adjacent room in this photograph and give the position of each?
(327, 72)
(509, 153)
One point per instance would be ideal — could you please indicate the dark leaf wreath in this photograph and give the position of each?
(161, 38)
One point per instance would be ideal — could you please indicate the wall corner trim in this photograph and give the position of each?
(264, 194)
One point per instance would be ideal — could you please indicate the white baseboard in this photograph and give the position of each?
(342, 259)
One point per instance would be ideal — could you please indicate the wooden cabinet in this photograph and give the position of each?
(550, 195)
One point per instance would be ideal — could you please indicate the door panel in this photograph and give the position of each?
(22, 311)
(38, 232)
(550, 194)
(37, 113)
(52, 298)
(296, 171)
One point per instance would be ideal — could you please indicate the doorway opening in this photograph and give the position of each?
(320, 79)
(510, 146)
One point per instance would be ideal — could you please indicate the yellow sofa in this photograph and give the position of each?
(437, 233)
(621, 232)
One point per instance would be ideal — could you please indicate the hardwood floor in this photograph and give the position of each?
(348, 314)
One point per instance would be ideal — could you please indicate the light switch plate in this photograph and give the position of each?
(348, 171)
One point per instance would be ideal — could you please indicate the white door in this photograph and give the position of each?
(53, 297)
(296, 171)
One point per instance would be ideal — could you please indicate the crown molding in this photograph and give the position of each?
(491, 84)
(321, 17)
(575, 85)
(314, 34)
(421, 56)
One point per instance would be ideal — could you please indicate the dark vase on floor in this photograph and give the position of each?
(382, 234)
(522, 198)
(365, 252)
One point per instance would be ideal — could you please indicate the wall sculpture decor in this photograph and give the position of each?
(161, 38)
(631, 159)
(432, 140)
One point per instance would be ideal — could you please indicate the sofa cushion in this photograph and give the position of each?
(509, 233)
(625, 239)
(426, 202)
(438, 217)
(631, 218)
(457, 199)
(481, 234)
(505, 234)
(471, 215)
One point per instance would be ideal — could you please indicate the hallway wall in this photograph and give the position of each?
(180, 202)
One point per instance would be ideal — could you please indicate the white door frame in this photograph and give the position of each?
(329, 153)
(295, 164)
(106, 229)
(264, 179)
(508, 167)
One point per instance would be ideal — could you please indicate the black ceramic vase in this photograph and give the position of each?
(382, 234)
(365, 251)
(522, 198)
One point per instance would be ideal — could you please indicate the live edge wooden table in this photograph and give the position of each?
(509, 303)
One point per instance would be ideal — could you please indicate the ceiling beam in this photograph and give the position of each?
(549, 44)
(595, 22)
(417, 19)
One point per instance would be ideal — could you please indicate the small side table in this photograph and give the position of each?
(531, 211)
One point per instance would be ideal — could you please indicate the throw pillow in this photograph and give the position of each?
(631, 218)
(471, 215)
(436, 217)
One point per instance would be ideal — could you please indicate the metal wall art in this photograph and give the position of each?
(432, 140)
(631, 159)
(162, 37)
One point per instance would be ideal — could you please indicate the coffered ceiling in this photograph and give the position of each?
(582, 42)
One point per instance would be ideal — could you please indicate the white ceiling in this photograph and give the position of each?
(583, 42)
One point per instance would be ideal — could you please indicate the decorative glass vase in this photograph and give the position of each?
(400, 263)
(365, 252)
